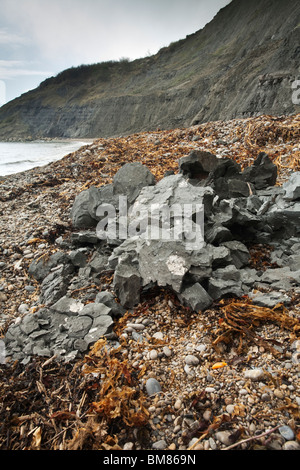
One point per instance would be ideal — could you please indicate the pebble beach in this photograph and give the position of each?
(227, 378)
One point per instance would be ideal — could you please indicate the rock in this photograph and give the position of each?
(262, 173)
(98, 262)
(159, 445)
(130, 179)
(198, 164)
(108, 299)
(269, 300)
(40, 268)
(86, 237)
(67, 306)
(127, 283)
(153, 387)
(291, 445)
(292, 187)
(239, 253)
(218, 288)
(224, 437)
(78, 258)
(254, 374)
(191, 360)
(196, 298)
(80, 214)
(287, 433)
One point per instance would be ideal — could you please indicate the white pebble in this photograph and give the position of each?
(191, 360)
(153, 354)
(167, 351)
(254, 374)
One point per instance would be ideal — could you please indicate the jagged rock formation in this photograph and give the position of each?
(241, 64)
(202, 262)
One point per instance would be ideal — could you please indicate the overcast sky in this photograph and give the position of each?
(39, 38)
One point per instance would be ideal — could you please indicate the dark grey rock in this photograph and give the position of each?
(78, 258)
(270, 299)
(127, 283)
(130, 179)
(196, 298)
(80, 214)
(218, 288)
(103, 326)
(68, 306)
(198, 164)
(292, 187)
(239, 253)
(94, 310)
(54, 286)
(86, 237)
(108, 299)
(98, 262)
(262, 173)
(217, 233)
(41, 267)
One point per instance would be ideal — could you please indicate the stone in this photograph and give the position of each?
(196, 298)
(218, 288)
(85, 237)
(40, 268)
(239, 253)
(262, 173)
(94, 310)
(127, 283)
(68, 306)
(98, 262)
(153, 387)
(292, 187)
(78, 258)
(270, 299)
(254, 374)
(130, 179)
(108, 299)
(287, 433)
(198, 164)
(159, 445)
(191, 360)
(80, 215)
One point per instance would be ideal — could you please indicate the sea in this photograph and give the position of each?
(21, 156)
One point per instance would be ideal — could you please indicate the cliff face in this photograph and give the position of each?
(241, 64)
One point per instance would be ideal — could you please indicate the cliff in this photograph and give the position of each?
(241, 64)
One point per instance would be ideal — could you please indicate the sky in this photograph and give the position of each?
(40, 38)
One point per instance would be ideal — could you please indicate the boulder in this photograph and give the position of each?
(130, 179)
(262, 173)
(196, 298)
(292, 187)
(80, 214)
(127, 283)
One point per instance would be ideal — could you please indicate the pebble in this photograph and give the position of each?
(287, 433)
(254, 374)
(153, 354)
(191, 360)
(152, 387)
(224, 437)
(159, 445)
(291, 445)
(178, 404)
(167, 351)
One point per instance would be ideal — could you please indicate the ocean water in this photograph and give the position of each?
(22, 156)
